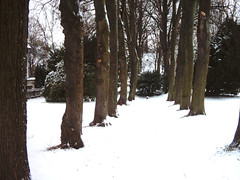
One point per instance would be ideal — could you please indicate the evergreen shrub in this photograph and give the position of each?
(149, 84)
(224, 64)
(55, 80)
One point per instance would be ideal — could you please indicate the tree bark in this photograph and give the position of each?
(123, 64)
(201, 66)
(236, 141)
(189, 10)
(164, 45)
(132, 51)
(13, 120)
(175, 23)
(180, 68)
(72, 22)
(112, 12)
(102, 64)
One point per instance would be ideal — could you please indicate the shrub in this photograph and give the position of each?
(224, 65)
(149, 84)
(54, 84)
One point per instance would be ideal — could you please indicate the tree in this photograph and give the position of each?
(132, 43)
(201, 65)
(72, 22)
(13, 120)
(122, 62)
(189, 10)
(236, 141)
(112, 12)
(102, 64)
(177, 92)
(175, 23)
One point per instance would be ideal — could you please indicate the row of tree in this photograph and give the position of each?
(114, 20)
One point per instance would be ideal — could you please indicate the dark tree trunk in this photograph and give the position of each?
(112, 11)
(175, 23)
(140, 41)
(72, 23)
(201, 66)
(102, 64)
(189, 10)
(164, 43)
(123, 65)
(132, 50)
(236, 141)
(13, 120)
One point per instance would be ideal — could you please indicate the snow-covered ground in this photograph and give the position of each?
(151, 139)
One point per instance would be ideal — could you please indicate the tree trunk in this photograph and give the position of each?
(236, 141)
(102, 64)
(164, 43)
(123, 65)
(175, 23)
(180, 68)
(132, 51)
(13, 120)
(189, 10)
(112, 11)
(140, 40)
(72, 22)
(201, 66)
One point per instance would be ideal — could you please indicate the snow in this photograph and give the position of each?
(151, 139)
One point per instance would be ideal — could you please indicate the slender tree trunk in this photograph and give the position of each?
(112, 11)
(201, 66)
(13, 120)
(175, 22)
(123, 65)
(102, 64)
(159, 60)
(140, 43)
(165, 47)
(236, 141)
(72, 22)
(132, 51)
(189, 10)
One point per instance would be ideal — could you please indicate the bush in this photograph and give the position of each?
(55, 80)
(54, 84)
(149, 84)
(224, 65)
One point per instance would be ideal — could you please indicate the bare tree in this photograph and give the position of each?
(72, 22)
(112, 12)
(201, 65)
(102, 64)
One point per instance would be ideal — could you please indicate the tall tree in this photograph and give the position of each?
(13, 121)
(175, 23)
(201, 65)
(132, 48)
(122, 62)
(102, 64)
(177, 92)
(72, 22)
(112, 12)
(189, 10)
(164, 44)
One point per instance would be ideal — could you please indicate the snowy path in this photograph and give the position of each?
(151, 139)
